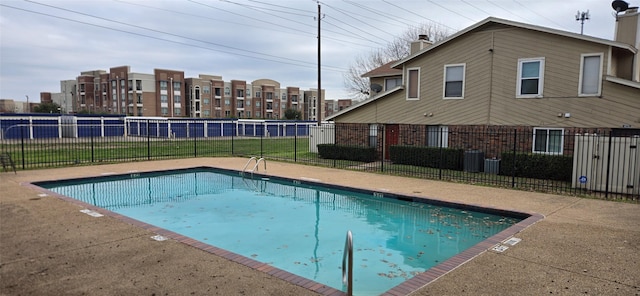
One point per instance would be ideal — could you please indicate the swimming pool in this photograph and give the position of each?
(296, 225)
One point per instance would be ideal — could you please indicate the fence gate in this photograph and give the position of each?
(610, 164)
(325, 134)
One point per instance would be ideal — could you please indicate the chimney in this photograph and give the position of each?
(628, 27)
(420, 44)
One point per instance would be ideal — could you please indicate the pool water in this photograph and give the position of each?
(295, 226)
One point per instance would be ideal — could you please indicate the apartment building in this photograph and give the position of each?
(168, 93)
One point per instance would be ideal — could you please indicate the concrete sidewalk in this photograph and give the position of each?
(47, 247)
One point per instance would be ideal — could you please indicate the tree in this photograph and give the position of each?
(292, 114)
(47, 108)
(399, 48)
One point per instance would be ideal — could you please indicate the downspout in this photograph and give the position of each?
(491, 53)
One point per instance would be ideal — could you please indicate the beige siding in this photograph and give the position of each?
(560, 95)
(491, 82)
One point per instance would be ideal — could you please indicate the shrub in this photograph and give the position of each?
(344, 152)
(427, 156)
(539, 166)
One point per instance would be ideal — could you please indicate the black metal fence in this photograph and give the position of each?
(577, 162)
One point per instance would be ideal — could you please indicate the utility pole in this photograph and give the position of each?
(582, 16)
(319, 93)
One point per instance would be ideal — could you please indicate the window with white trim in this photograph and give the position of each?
(530, 78)
(413, 84)
(590, 74)
(454, 81)
(548, 140)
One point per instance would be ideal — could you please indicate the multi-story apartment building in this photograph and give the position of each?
(311, 106)
(168, 93)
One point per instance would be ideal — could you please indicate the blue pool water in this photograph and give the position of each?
(293, 225)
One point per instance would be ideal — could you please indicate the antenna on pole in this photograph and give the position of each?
(582, 16)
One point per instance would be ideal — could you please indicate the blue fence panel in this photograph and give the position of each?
(303, 130)
(45, 128)
(179, 130)
(11, 128)
(272, 130)
(229, 129)
(113, 128)
(196, 129)
(85, 127)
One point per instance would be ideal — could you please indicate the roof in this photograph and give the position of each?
(388, 69)
(518, 25)
(383, 71)
(365, 102)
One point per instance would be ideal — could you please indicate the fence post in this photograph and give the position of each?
(149, 139)
(295, 142)
(513, 168)
(261, 138)
(92, 146)
(195, 142)
(383, 150)
(22, 142)
(606, 186)
(440, 146)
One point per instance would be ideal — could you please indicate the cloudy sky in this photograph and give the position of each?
(43, 41)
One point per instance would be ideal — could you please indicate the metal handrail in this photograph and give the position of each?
(255, 167)
(347, 276)
(248, 162)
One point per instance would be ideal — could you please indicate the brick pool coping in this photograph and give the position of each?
(404, 288)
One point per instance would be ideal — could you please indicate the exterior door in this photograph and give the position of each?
(391, 135)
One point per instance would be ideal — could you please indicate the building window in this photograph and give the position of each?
(248, 92)
(163, 85)
(454, 81)
(258, 94)
(177, 111)
(218, 91)
(590, 74)
(548, 140)
(240, 93)
(206, 101)
(227, 91)
(206, 89)
(164, 111)
(530, 78)
(163, 98)
(206, 113)
(177, 99)
(176, 86)
(413, 83)
(373, 135)
(437, 136)
(390, 83)
(227, 102)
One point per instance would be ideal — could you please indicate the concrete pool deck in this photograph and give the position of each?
(48, 247)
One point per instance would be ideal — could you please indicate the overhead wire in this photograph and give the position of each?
(283, 60)
(418, 15)
(279, 25)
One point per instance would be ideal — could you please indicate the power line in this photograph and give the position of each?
(448, 9)
(540, 15)
(279, 25)
(349, 15)
(418, 15)
(291, 61)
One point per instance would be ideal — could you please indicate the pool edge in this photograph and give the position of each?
(407, 287)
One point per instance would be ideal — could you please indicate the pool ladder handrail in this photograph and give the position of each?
(256, 166)
(347, 275)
